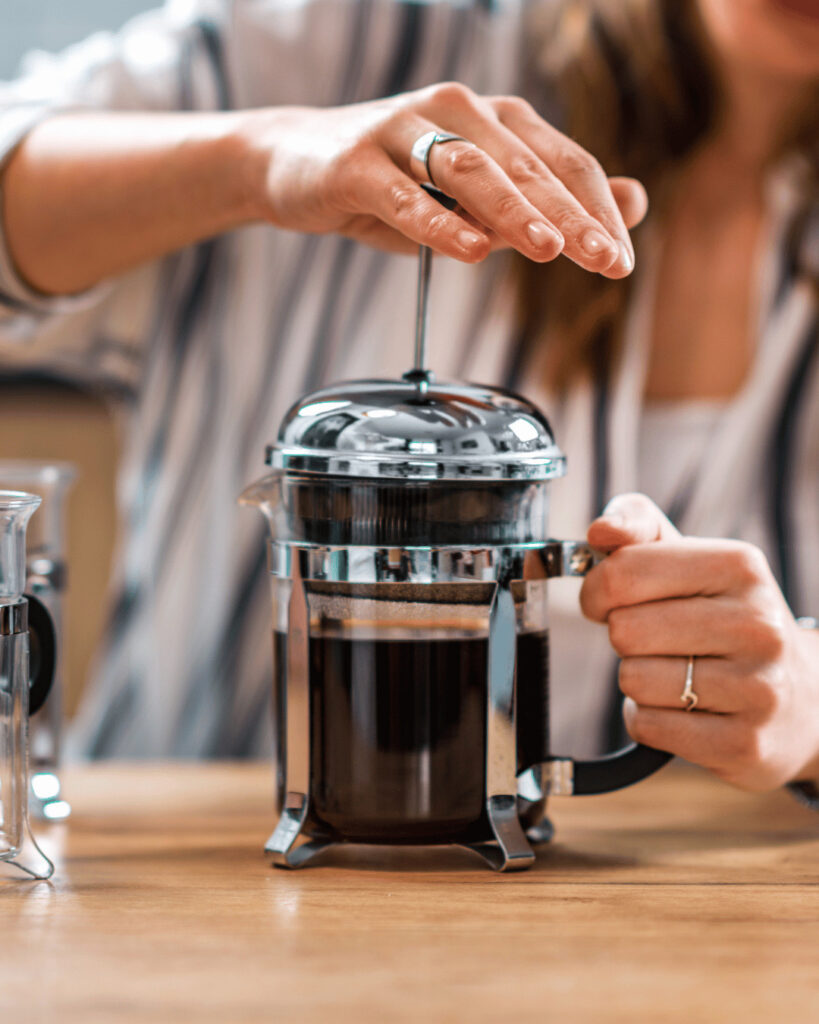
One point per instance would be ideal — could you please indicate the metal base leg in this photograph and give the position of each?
(281, 843)
(510, 851)
(543, 832)
(302, 855)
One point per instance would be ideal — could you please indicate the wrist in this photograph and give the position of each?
(246, 154)
(254, 134)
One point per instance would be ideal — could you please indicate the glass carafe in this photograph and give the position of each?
(46, 576)
(26, 673)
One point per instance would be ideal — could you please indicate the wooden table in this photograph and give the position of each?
(677, 900)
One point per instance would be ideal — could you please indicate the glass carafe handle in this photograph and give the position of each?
(43, 653)
(567, 776)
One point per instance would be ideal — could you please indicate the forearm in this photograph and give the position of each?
(87, 196)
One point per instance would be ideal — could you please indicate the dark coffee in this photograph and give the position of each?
(398, 733)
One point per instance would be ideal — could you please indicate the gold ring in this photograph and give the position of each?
(688, 697)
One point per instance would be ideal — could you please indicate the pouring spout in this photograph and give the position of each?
(263, 494)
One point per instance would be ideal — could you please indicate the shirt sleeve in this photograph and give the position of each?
(161, 60)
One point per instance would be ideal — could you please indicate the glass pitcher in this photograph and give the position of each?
(46, 575)
(27, 655)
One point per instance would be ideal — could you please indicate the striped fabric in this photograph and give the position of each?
(204, 352)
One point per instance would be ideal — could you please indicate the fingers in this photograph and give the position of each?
(692, 625)
(703, 738)
(397, 201)
(631, 198)
(468, 173)
(658, 682)
(578, 171)
(683, 567)
(503, 169)
(501, 181)
(507, 177)
(630, 519)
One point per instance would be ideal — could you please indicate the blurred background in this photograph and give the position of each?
(49, 419)
(53, 24)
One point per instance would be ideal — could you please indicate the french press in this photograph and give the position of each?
(409, 558)
(27, 658)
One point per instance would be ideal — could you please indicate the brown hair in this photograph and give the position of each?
(631, 81)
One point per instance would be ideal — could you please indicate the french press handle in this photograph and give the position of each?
(624, 767)
(42, 653)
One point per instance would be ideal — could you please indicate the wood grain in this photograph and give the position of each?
(677, 900)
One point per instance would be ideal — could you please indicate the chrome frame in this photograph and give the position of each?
(360, 564)
(508, 849)
(297, 731)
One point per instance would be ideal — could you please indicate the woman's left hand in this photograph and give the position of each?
(756, 673)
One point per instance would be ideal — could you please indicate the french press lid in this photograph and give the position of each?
(417, 430)
(411, 462)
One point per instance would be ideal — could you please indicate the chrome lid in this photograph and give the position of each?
(417, 429)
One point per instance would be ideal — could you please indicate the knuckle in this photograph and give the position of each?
(454, 96)
(768, 635)
(525, 168)
(404, 200)
(619, 623)
(750, 565)
(512, 106)
(575, 161)
(507, 205)
(746, 747)
(766, 693)
(462, 160)
(589, 603)
(437, 225)
(594, 596)
(608, 582)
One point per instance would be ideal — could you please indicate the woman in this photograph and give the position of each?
(709, 96)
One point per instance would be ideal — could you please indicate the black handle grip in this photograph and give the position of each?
(615, 771)
(43, 653)
(446, 201)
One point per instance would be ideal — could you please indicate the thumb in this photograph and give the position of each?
(630, 519)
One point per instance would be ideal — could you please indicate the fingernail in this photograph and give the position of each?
(541, 235)
(626, 259)
(468, 239)
(595, 243)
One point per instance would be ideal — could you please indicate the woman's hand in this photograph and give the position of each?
(756, 673)
(518, 181)
(136, 186)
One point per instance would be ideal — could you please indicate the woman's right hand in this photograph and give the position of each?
(518, 181)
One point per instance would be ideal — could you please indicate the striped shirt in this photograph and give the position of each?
(204, 351)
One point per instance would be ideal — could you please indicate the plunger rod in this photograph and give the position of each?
(422, 308)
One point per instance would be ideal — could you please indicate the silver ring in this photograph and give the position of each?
(688, 697)
(419, 154)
